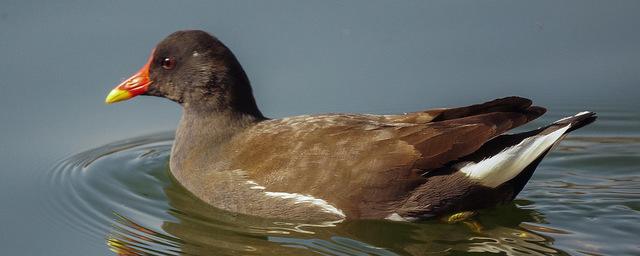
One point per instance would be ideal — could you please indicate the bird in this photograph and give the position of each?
(332, 167)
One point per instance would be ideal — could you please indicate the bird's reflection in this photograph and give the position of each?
(199, 229)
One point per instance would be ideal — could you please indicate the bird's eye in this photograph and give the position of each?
(168, 63)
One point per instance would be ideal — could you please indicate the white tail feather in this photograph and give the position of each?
(506, 165)
(579, 114)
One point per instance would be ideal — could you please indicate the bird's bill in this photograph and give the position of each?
(135, 85)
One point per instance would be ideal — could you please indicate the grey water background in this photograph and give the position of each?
(60, 58)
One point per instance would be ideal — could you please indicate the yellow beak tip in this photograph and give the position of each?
(117, 95)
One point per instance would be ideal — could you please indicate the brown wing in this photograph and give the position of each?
(507, 104)
(362, 162)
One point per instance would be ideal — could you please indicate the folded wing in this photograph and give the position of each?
(367, 164)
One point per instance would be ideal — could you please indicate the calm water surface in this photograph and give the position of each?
(583, 200)
(69, 186)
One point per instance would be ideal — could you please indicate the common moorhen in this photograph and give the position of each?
(335, 166)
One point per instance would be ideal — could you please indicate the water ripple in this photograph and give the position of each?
(123, 196)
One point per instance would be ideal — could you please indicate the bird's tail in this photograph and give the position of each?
(494, 174)
(509, 160)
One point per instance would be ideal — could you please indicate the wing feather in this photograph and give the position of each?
(366, 161)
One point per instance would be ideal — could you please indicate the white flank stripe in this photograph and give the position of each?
(300, 198)
(510, 162)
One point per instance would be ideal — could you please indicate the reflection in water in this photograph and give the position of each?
(123, 193)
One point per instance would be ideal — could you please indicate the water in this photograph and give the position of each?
(583, 200)
(60, 58)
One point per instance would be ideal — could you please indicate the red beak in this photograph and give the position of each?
(135, 85)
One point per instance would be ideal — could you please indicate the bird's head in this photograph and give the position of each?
(194, 69)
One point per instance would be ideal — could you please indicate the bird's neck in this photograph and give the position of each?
(214, 124)
(207, 125)
(200, 136)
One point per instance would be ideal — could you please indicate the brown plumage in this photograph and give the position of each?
(334, 166)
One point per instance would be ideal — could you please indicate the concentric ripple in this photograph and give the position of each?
(122, 195)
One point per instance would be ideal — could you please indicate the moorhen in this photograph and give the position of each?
(335, 166)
